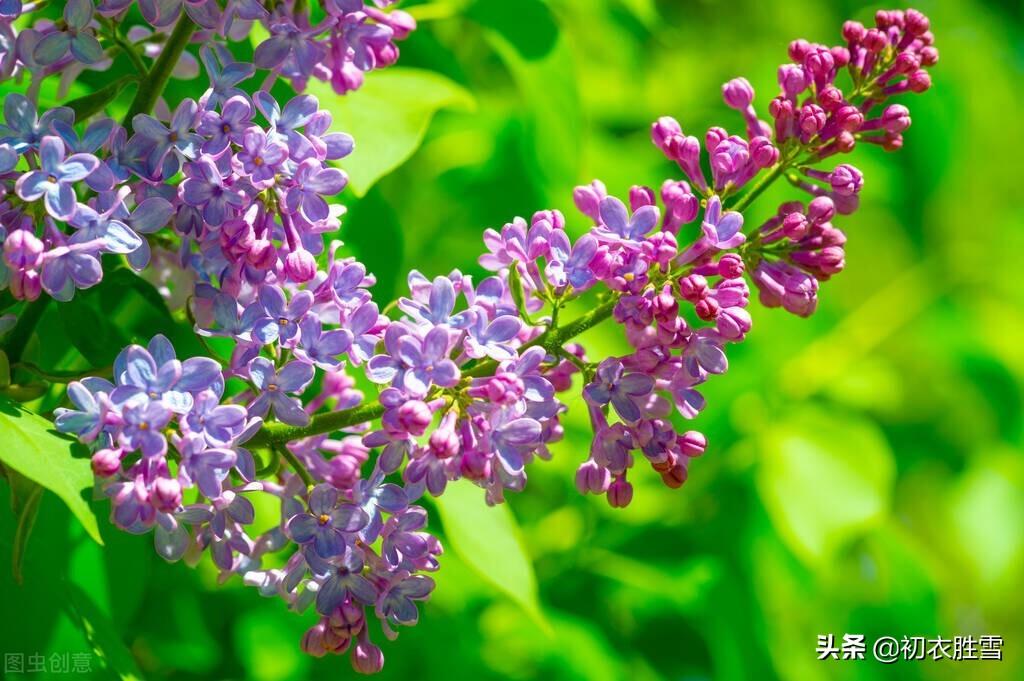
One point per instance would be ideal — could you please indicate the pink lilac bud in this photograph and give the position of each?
(929, 56)
(675, 476)
(793, 80)
(798, 49)
(475, 466)
(795, 226)
(846, 180)
(693, 287)
(23, 249)
(821, 210)
(262, 255)
(849, 118)
(414, 417)
(714, 137)
(26, 284)
(854, 31)
(730, 266)
(588, 199)
(811, 120)
(783, 112)
(343, 471)
(662, 247)
(166, 494)
(919, 81)
(692, 443)
(763, 152)
(620, 492)
(313, 640)
(840, 56)
(664, 129)
(237, 238)
(819, 62)
(895, 118)
(738, 93)
(915, 23)
(444, 443)
(367, 658)
(875, 40)
(107, 462)
(733, 323)
(640, 196)
(830, 98)
(554, 218)
(300, 265)
(592, 478)
(706, 308)
(681, 204)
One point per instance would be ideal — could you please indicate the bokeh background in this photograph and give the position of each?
(865, 471)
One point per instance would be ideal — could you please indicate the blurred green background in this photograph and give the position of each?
(864, 473)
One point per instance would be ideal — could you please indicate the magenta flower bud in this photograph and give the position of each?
(343, 471)
(640, 196)
(730, 266)
(875, 40)
(262, 255)
(675, 476)
(620, 493)
(896, 118)
(707, 308)
(714, 137)
(915, 23)
(819, 63)
(793, 80)
(795, 226)
(929, 56)
(840, 56)
(107, 462)
(849, 118)
(237, 237)
(693, 287)
(733, 323)
(300, 265)
(588, 199)
(664, 129)
(763, 153)
(25, 284)
(919, 81)
(798, 49)
(413, 417)
(681, 205)
(846, 180)
(313, 640)
(845, 142)
(554, 218)
(906, 63)
(592, 478)
(475, 465)
(444, 443)
(166, 494)
(23, 250)
(854, 31)
(830, 98)
(821, 210)
(692, 443)
(402, 23)
(367, 658)
(812, 119)
(663, 247)
(738, 93)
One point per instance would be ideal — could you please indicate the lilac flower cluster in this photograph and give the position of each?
(169, 452)
(342, 42)
(252, 199)
(468, 370)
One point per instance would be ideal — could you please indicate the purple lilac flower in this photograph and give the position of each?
(327, 523)
(274, 387)
(54, 181)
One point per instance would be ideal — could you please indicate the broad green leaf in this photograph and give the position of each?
(33, 448)
(87, 105)
(101, 633)
(487, 538)
(526, 24)
(824, 477)
(388, 117)
(25, 496)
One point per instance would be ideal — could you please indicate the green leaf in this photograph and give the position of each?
(90, 104)
(489, 541)
(526, 24)
(372, 231)
(824, 477)
(25, 496)
(33, 448)
(388, 117)
(102, 634)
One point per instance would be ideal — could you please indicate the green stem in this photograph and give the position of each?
(762, 184)
(151, 88)
(296, 465)
(129, 51)
(26, 324)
